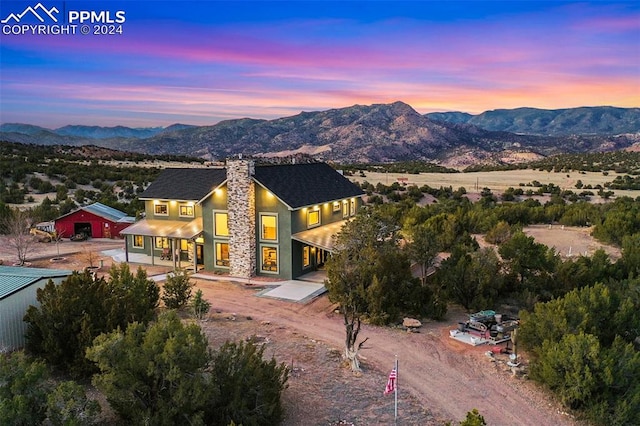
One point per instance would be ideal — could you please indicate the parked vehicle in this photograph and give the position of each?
(79, 237)
(41, 236)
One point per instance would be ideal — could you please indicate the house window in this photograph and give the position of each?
(345, 208)
(138, 241)
(220, 224)
(186, 211)
(162, 242)
(222, 255)
(353, 207)
(313, 218)
(269, 259)
(336, 206)
(269, 227)
(306, 260)
(161, 209)
(184, 245)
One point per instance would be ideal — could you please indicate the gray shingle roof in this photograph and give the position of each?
(184, 184)
(14, 278)
(297, 185)
(300, 185)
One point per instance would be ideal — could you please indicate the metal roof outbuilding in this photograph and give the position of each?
(18, 288)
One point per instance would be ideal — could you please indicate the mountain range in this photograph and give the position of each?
(372, 133)
(558, 122)
(90, 132)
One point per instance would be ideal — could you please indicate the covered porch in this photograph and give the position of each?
(318, 244)
(321, 237)
(176, 241)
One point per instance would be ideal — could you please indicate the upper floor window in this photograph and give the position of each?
(269, 227)
(220, 224)
(161, 209)
(313, 218)
(186, 211)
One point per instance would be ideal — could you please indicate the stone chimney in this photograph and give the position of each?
(241, 207)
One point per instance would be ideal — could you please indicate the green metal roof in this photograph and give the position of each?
(106, 212)
(102, 211)
(15, 278)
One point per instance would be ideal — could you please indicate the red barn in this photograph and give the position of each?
(95, 220)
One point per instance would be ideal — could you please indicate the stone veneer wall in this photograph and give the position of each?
(241, 206)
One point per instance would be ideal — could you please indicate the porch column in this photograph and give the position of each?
(173, 251)
(195, 256)
(153, 259)
(126, 248)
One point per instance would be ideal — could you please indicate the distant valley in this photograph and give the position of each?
(370, 134)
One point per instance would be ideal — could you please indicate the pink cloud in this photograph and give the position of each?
(159, 70)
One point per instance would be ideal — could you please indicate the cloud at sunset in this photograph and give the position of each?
(161, 71)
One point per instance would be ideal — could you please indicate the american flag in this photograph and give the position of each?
(391, 382)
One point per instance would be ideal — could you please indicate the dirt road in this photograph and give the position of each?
(447, 377)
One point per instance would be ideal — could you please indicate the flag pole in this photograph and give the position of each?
(395, 412)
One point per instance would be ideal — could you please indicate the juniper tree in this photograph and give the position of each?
(249, 387)
(200, 305)
(177, 289)
(351, 270)
(23, 390)
(73, 313)
(156, 375)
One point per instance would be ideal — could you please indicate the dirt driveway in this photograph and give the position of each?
(440, 379)
(76, 252)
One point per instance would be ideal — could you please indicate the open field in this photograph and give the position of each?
(570, 241)
(567, 241)
(497, 181)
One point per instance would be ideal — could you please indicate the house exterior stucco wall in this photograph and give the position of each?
(267, 203)
(216, 202)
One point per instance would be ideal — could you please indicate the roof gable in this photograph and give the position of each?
(105, 212)
(100, 210)
(185, 184)
(299, 185)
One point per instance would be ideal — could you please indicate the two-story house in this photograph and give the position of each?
(245, 219)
